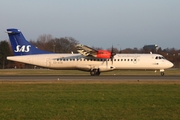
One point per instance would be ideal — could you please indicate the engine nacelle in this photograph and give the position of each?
(83, 67)
(103, 54)
(106, 68)
(101, 68)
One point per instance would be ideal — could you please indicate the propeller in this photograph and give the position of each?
(112, 54)
(111, 57)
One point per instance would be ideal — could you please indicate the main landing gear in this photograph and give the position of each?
(95, 72)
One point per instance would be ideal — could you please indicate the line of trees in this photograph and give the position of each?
(4, 52)
(57, 45)
(67, 45)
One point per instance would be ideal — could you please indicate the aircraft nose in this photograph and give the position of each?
(170, 64)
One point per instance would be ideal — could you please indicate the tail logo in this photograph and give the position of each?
(23, 48)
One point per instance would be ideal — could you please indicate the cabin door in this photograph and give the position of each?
(48, 62)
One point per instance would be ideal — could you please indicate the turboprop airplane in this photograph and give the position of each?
(88, 59)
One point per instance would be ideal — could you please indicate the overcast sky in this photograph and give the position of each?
(98, 23)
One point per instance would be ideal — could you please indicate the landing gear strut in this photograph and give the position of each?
(95, 72)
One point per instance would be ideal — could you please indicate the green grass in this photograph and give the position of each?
(88, 101)
(77, 72)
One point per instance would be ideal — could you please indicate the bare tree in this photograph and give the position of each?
(64, 45)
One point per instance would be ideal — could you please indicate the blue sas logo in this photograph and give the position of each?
(23, 48)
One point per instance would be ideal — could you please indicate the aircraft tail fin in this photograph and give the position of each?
(20, 45)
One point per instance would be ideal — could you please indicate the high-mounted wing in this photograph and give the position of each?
(87, 51)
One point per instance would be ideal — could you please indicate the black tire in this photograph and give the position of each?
(95, 72)
(92, 73)
(98, 72)
(162, 73)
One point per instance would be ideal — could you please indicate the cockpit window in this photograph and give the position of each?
(159, 57)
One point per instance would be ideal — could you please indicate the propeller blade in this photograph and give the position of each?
(112, 54)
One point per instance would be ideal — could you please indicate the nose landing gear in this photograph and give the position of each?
(162, 72)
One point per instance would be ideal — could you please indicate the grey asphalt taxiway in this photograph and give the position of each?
(86, 78)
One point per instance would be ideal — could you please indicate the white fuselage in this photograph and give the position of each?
(78, 61)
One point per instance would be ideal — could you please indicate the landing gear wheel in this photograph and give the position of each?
(162, 73)
(95, 72)
(98, 73)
